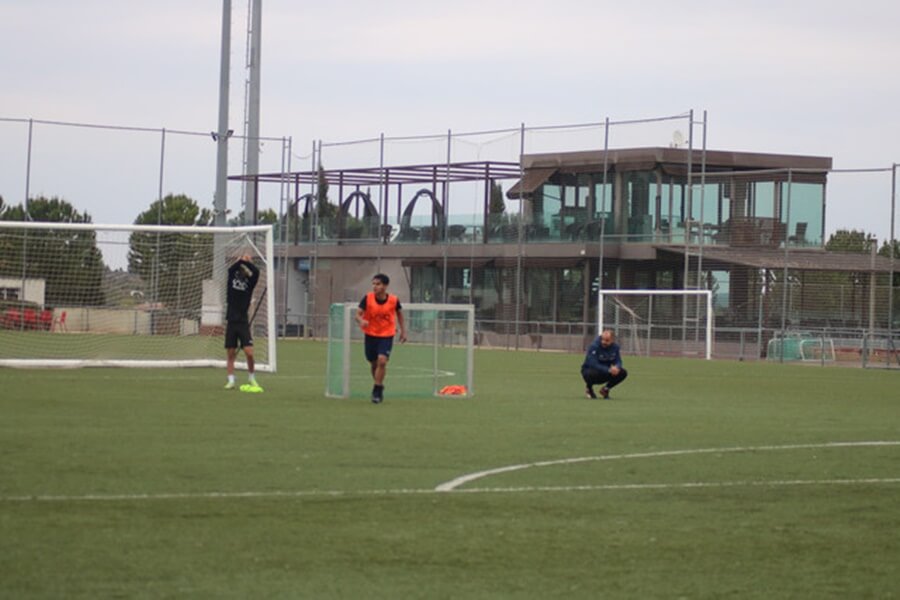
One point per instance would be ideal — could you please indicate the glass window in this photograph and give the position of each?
(671, 207)
(550, 205)
(9, 293)
(806, 216)
(603, 199)
(763, 199)
(720, 284)
(705, 201)
(540, 288)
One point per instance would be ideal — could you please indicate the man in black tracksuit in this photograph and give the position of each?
(242, 278)
(602, 364)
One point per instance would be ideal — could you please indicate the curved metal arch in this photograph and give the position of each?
(369, 208)
(436, 209)
(309, 202)
(370, 213)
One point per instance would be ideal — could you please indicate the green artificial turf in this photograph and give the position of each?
(696, 480)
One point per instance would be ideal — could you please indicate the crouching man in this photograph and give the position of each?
(602, 365)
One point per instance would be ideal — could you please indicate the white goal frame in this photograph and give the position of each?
(349, 322)
(267, 256)
(601, 296)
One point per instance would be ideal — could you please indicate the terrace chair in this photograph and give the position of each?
(799, 236)
(59, 324)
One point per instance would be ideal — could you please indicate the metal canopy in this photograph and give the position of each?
(422, 174)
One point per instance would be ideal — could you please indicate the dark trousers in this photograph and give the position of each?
(595, 377)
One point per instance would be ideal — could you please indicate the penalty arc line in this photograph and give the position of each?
(451, 485)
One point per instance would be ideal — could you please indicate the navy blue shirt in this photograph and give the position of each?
(240, 290)
(600, 358)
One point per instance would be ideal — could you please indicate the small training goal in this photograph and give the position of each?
(793, 346)
(437, 360)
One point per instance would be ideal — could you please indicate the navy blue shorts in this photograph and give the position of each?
(237, 335)
(378, 345)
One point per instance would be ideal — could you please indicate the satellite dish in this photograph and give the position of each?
(677, 139)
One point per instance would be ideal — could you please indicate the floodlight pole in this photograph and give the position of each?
(893, 252)
(220, 202)
(251, 140)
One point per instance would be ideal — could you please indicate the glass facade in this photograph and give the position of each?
(804, 213)
(654, 207)
(640, 206)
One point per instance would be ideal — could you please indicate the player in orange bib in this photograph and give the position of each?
(378, 315)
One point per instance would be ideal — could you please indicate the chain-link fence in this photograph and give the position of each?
(528, 223)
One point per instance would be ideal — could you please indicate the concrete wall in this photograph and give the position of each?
(126, 322)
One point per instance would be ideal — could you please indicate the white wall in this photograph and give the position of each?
(35, 289)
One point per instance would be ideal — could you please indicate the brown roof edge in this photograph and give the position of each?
(532, 180)
(714, 158)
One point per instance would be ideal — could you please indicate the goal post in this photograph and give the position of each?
(438, 354)
(83, 294)
(661, 322)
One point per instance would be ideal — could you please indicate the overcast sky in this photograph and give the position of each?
(819, 78)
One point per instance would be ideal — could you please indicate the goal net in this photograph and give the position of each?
(659, 322)
(437, 359)
(799, 346)
(77, 295)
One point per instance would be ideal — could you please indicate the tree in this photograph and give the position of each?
(67, 260)
(852, 240)
(885, 249)
(175, 210)
(497, 205)
(173, 265)
(325, 209)
(266, 217)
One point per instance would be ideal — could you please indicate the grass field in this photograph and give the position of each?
(697, 480)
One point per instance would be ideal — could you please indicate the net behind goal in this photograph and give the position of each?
(659, 322)
(439, 352)
(75, 295)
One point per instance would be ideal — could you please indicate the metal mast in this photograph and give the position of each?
(251, 109)
(220, 202)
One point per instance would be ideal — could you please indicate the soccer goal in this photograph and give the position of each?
(79, 295)
(659, 322)
(437, 359)
(799, 346)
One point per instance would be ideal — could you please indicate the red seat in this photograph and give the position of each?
(13, 318)
(46, 319)
(31, 319)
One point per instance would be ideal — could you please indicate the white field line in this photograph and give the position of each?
(427, 491)
(463, 479)
(446, 488)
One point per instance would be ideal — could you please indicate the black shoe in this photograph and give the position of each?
(376, 399)
(604, 391)
(589, 393)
